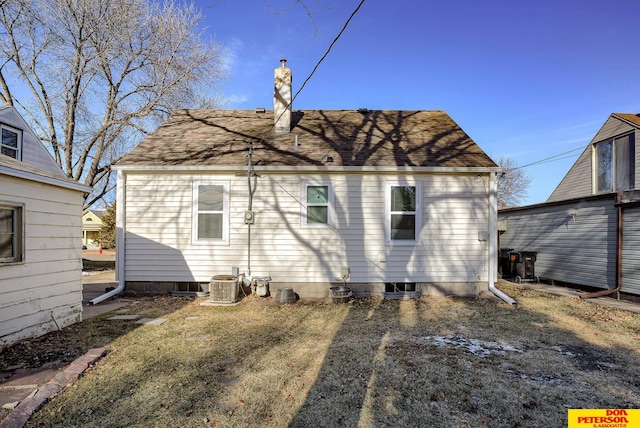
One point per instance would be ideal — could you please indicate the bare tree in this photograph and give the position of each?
(94, 76)
(513, 184)
(308, 10)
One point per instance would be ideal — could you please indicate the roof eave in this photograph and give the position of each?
(294, 169)
(28, 175)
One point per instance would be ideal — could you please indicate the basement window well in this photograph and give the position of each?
(401, 290)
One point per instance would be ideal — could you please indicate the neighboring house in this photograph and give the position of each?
(404, 199)
(587, 233)
(40, 230)
(91, 225)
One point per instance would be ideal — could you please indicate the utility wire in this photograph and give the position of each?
(344, 27)
(551, 158)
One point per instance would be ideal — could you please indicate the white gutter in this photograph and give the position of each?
(120, 228)
(493, 241)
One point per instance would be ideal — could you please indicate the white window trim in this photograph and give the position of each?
(19, 234)
(331, 203)
(17, 131)
(387, 212)
(225, 214)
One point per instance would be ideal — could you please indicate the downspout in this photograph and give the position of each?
(493, 241)
(120, 227)
(618, 255)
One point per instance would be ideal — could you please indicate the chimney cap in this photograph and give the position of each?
(283, 62)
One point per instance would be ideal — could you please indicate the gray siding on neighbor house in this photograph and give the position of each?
(575, 241)
(631, 250)
(578, 183)
(612, 128)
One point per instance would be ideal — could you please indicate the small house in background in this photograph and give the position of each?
(40, 236)
(91, 225)
(587, 232)
(398, 202)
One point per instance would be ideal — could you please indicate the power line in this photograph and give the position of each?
(344, 27)
(551, 158)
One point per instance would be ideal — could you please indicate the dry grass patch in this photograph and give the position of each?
(446, 362)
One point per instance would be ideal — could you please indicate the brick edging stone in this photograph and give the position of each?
(27, 407)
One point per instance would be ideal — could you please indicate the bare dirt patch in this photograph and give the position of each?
(446, 362)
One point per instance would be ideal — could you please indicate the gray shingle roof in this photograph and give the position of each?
(347, 137)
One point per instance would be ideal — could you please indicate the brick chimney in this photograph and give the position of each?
(282, 98)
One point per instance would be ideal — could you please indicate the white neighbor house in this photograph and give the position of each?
(40, 236)
(404, 199)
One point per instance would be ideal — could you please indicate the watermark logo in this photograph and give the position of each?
(603, 418)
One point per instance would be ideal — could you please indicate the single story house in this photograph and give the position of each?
(588, 230)
(40, 236)
(394, 202)
(91, 225)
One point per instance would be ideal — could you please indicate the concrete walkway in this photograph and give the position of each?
(608, 301)
(95, 284)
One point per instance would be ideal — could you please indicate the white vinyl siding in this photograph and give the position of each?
(452, 210)
(48, 281)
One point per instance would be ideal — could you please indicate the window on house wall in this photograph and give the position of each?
(11, 236)
(615, 164)
(318, 203)
(11, 142)
(402, 215)
(211, 212)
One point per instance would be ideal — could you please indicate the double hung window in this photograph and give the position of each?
(10, 141)
(402, 212)
(318, 203)
(211, 212)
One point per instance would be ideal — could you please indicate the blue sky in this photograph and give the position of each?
(528, 80)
